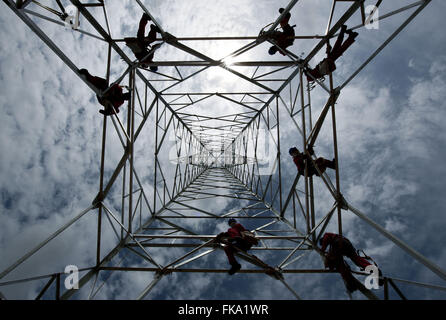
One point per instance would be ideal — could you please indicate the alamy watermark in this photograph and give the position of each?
(372, 20)
(372, 281)
(72, 279)
(72, 17)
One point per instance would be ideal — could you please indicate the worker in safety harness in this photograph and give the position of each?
(328, 65)
(300, 159)
(113, 97)
(283, 38)
(139, 45)
(341, 247)
(237, 237)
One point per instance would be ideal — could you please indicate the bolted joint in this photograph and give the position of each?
(335, 93)
(19, 4)
(275, 273)
(169, 38)
(97, 202)
(162, 272)
(128, 149)
(342, 202)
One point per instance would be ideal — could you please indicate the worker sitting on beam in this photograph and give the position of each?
(341, 247)
(111, 98)
(139, 45)
(237, 238)
(283, 38)
(300, 159)
(328, 65)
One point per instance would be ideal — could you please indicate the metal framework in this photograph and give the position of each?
(218, 156)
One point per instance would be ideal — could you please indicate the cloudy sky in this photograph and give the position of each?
(390, 129)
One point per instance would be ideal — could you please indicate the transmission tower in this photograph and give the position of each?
(234, 155)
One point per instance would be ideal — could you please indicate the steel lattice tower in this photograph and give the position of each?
(217, 156)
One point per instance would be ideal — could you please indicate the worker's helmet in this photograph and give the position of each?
(293, 150)
(272, 50)
(231, 221)
(281, 10)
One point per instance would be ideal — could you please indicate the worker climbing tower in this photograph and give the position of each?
(215, 131)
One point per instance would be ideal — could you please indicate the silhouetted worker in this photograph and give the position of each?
(113, 96)
(283, 39)
(235, 240)
(301, 158)
(328, 65)
(140, 43)
(341, 247)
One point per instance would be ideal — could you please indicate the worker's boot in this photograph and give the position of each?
(235, 267)
(83, 72)
(351, 33)
(331, 164)
(154, 27)
(351, 286)
(146, 17)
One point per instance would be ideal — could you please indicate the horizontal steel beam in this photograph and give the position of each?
(163, 236)
(316, 36)
(215, 270)
(209, 217)
(193, 245)
(218, 63)
(213, 93)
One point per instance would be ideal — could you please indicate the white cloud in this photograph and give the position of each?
(52, 133)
